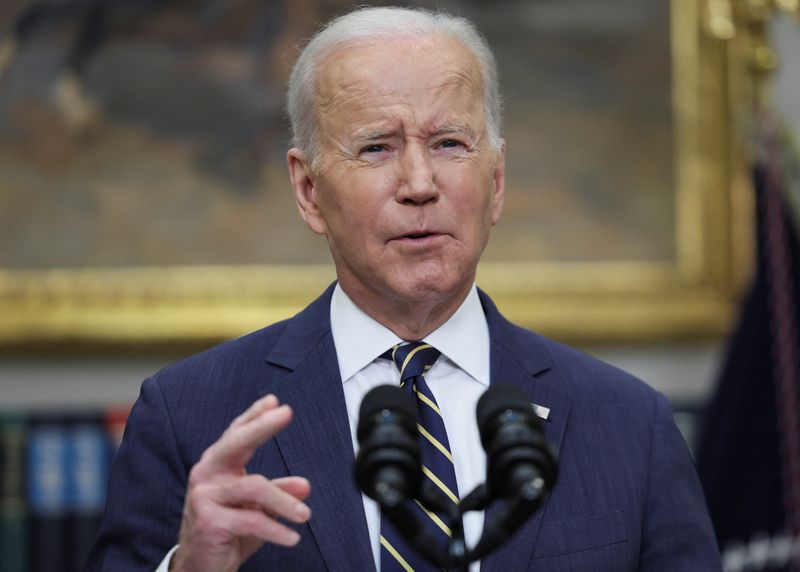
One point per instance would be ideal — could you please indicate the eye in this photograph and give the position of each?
(377, 148)
(449, 144)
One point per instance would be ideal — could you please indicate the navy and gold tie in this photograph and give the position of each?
(413, 360)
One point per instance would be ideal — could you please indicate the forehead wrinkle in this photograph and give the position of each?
(343, 90)
(461, 77)
(470, 122)
(458, 85)
(330, 100)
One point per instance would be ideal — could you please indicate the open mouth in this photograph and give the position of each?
(419, 238)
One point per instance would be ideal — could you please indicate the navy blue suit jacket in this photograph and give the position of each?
(627, 497)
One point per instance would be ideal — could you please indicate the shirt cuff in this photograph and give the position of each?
(164, 566)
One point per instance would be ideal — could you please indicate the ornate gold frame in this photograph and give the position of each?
(692, 296)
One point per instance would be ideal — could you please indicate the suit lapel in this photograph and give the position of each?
(519, 357)
(317, 444)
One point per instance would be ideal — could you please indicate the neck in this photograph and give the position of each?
(409, 320)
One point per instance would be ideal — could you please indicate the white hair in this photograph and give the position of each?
(384, 22)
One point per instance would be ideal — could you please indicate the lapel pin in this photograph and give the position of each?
(541, 411)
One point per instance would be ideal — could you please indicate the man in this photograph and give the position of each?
(399, 164)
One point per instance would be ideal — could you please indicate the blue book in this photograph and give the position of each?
(88, 452)
(47, 480)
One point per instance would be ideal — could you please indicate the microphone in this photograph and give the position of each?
(521, 465)
(517, 450)
(388, 467)
(521, 468)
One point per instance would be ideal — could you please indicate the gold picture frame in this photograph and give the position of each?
(694, 294)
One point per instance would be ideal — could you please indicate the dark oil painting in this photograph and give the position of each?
(153, 133)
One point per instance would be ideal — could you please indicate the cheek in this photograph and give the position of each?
(335, 204)
(354, 220)
(474, 200)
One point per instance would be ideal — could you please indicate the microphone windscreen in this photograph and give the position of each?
(386, 397)
(498, 398)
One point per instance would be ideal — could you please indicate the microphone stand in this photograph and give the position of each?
(396, 508)
(508, 518)
(505, 521)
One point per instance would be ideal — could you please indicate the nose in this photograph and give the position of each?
(417, 180)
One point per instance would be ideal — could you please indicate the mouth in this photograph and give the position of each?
(419, 237)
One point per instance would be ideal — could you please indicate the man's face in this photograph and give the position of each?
(408, 185)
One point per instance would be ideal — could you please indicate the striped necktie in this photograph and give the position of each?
(413, 360)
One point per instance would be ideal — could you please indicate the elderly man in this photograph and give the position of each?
(399, 163)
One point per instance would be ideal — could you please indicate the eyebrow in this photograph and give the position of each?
(454, 128)
(367, 135)
(372, 134)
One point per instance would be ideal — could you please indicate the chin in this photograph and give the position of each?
(429, 287)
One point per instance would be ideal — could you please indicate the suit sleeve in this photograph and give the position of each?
(146, 491)
(677, 532)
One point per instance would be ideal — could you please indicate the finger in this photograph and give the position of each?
(254, 523)
(298, 487)
(258, 491)
(256, 408)
(231, 452)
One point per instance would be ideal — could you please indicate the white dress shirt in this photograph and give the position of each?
(457, 379)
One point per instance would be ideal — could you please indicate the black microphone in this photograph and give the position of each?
(517, 451)
(520, 464)
(388, 467)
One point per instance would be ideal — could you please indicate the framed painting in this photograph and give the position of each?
(144, 195)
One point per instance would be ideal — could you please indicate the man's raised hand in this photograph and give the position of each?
(229, 514)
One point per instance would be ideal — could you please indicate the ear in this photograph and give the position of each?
(302, 178)
(499, 179)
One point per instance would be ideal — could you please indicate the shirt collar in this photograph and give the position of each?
(359, 339)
